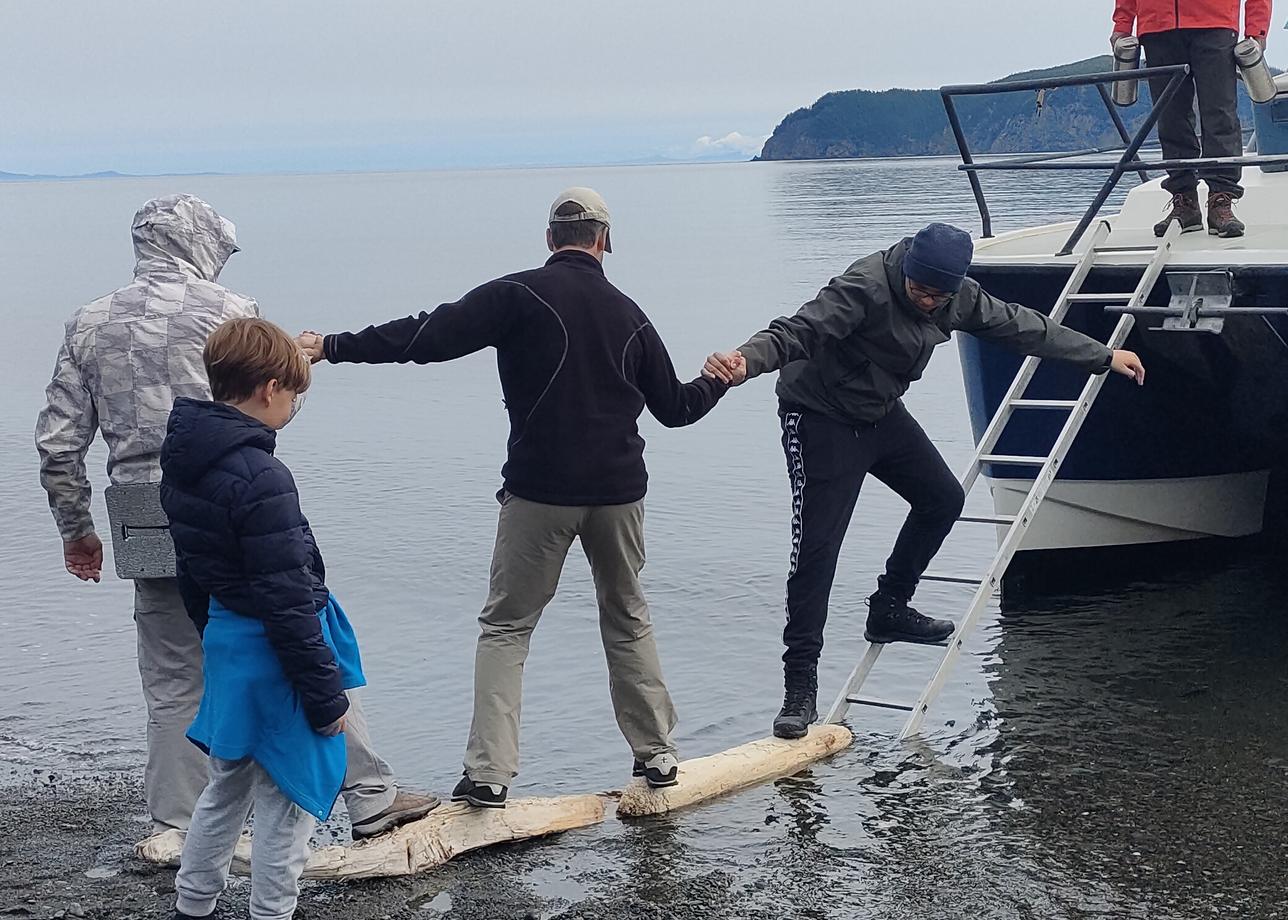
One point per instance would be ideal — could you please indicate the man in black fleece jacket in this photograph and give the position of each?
(579, 362)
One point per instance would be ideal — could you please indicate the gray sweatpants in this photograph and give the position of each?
(279, 850)
(532, 543)
(170, 661)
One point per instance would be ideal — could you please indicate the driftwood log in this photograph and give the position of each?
(451, 830)
(737, 768)
(446, 832)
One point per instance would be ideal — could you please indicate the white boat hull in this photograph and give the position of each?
(1087, 513)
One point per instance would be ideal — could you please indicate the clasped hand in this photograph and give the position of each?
(730, 368)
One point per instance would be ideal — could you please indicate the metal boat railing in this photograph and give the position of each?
(1131, 143)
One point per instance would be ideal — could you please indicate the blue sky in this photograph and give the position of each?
(263, 85)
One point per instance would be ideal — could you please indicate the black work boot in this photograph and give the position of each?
(1221, 219)
(890, 619)
(1185, 208)
(800, 701)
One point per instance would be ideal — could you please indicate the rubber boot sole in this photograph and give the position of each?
(477, 803)
(791, 733)
(915, 639)
(1192, 228)
(395, 820)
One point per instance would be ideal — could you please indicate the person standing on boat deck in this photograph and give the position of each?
(579, 362)
(1202, 34)
(846, 358)
(124, 360)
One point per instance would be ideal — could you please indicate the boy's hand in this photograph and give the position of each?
(311, 344)
(84, 557)
(330, 731)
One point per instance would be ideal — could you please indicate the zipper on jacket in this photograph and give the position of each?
(1176, 4)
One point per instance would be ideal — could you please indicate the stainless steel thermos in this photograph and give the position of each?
(1258, 79)
(1126, 57)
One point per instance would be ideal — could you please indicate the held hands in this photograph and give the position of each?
(310, 343)
(729, 368)
(1128, 364)
(330, 731)
(84, 557)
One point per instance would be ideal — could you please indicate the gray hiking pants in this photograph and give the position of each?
(279, 849)
(170, 667)
(532, 543)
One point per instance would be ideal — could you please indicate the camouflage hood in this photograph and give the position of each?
(127, 356)
(183, 234)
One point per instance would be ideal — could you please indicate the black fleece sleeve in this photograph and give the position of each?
(672, 403)
(481, 318)
(278, 558)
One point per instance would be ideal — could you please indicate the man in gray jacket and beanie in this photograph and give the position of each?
(123, 361)
(845, 359)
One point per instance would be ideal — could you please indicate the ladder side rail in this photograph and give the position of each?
(993, 433)
(1148, 278)
(858, 677)
(1010, 544)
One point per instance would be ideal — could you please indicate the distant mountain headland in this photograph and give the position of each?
(26, 177)
(911, 122)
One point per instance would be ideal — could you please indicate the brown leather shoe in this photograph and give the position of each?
(1185, 208)
(1221, 220)
(406, 806)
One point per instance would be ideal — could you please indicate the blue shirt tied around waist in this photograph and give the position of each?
(250, 708)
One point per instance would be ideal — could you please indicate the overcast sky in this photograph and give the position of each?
(244, 85)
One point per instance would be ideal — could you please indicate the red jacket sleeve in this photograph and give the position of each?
(1125, 15)
(1256, 17)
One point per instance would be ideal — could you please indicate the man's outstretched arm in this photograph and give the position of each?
(481, 318)
(671, 402)
(1032, 333)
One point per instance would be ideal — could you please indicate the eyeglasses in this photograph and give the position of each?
(928, 295)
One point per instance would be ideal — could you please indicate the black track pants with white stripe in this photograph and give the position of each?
(827, 462)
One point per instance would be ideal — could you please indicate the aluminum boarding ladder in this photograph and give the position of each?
(1018, 524)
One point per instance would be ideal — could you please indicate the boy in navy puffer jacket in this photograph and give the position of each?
(279, 651)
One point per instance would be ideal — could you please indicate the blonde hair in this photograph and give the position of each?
(244, 354)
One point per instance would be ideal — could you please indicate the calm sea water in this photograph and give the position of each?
(1116, 753)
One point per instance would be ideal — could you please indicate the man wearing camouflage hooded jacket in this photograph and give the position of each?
(124, 359)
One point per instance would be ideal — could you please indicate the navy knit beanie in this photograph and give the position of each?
(938, 257)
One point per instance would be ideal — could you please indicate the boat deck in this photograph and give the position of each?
(1264, 208)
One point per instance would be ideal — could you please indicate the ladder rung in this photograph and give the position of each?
(951, 579)
(880, 704)
(1013, 460)
(1099, 298)
(1153, 248)
(987, 519)
(1044, 403)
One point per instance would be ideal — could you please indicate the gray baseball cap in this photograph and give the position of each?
(592, 207)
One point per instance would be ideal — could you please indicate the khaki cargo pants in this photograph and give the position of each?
(532, 543)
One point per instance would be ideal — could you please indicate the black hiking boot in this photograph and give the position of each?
(1185, 208)
(480, 795)
(800, 702)
(1221, 219)
(890, 619)
(659, 771)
